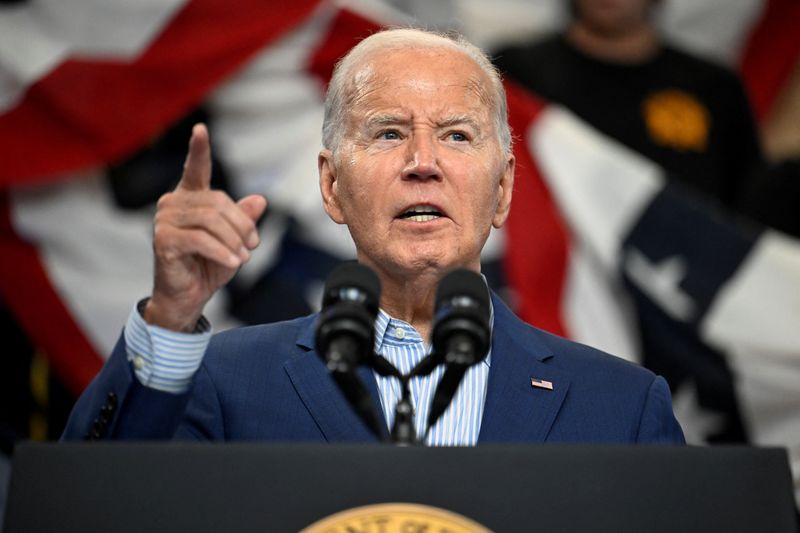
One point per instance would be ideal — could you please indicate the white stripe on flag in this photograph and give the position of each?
(758, 309)
(597, 309)
(601, 188)
(36, 37)
(266, 126)
(98, 257)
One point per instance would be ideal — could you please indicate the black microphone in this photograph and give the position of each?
(345, 335)
(461, 332)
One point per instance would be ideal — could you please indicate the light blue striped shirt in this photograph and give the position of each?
(460, 424)
(163, 359)
(166, 360)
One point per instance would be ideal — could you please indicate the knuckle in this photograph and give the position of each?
(166, 217)
(170, 255)
(219, 198)
(166, 200)
(158, 219)
(210, 211)
(207, 216)
(161, 235)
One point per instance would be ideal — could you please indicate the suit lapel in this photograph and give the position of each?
(516, 411)
(319, 393)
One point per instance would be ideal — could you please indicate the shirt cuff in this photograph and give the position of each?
(163, 359)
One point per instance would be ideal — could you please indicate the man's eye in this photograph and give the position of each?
(389, 135)
(458, 136)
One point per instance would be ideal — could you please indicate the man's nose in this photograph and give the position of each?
(422, 158)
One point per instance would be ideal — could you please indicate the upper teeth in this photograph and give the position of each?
(426, 213)
(422, 209)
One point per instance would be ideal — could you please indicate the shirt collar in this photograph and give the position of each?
(395, 332)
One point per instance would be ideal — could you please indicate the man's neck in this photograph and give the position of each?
(635, 45)
(411, 301)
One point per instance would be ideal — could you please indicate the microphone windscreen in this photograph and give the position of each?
(464, 283)
(352, 281)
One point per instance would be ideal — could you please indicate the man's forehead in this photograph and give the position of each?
(388, 83)
(421, 68)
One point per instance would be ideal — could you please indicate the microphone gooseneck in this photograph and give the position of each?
(461, 333)
(345, 339)
(345, 333)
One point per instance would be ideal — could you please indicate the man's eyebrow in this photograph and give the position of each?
(393, 119)
(459, 120)
(385, 119)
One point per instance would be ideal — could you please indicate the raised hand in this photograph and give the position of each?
(200, 239)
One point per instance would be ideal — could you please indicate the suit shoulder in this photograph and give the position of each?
(276, 340)
(573, 353)
(589, 362)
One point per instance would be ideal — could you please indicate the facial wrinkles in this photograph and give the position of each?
(364, 86)
(360, 85)
(354, 182)
(481, 87)
(477, 85)
(374, 102)
(369, 82)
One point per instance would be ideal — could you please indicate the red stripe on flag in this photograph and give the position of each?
(89, 113)
(538, 241)
(771, 54)
(30, 296)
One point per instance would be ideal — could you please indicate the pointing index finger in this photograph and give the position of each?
(197, 168)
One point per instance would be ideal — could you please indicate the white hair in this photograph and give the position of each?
(344, 83)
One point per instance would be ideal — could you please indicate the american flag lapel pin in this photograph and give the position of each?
(541, 384)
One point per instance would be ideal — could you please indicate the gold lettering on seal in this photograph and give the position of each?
(396, 518)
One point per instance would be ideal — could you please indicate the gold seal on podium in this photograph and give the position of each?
(396, 518)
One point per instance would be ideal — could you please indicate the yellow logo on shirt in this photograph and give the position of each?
(677, 119)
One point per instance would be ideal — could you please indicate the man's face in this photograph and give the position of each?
(419, 176)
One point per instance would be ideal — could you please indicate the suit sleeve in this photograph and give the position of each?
(658, 424)
(117, 406)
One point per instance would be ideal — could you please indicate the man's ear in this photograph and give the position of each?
(505, 191)
(329, 186)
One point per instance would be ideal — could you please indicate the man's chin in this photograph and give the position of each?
(415, 259)
(431, 266)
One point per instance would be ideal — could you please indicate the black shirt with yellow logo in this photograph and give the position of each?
(688, 115)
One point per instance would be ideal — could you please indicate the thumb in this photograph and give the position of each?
(197, 168)
(253, 206)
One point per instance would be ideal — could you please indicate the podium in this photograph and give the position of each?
(171, 487)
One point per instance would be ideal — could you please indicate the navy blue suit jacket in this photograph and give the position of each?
(268, 383)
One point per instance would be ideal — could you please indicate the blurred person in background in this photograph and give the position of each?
(612, 69)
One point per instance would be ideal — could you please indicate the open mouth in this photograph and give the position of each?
(421, 213)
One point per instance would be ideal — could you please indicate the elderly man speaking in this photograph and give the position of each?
(418, 164)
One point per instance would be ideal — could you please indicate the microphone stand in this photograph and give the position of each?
(403, 430)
